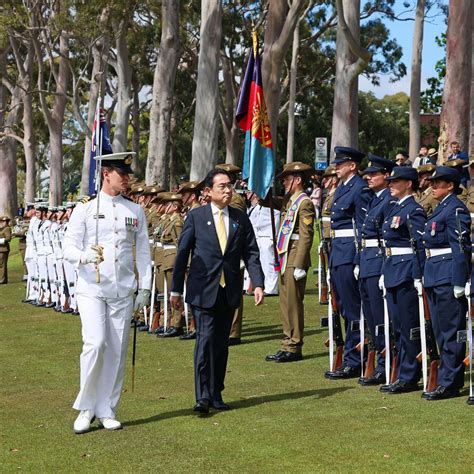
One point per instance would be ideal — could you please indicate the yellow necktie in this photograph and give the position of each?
(222, 236)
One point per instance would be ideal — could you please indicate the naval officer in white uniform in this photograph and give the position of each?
(106, 307)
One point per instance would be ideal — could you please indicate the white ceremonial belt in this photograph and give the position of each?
(335, 234)
(168, 247)
(326, 219)
(158, 245)
(472, 215)
(391, 251)
(366, 243)
(436, 252)
(295, 237)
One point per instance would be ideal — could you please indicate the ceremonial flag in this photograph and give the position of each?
(252, 118)
(100, 140)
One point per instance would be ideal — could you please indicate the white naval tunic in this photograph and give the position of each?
(106, 307)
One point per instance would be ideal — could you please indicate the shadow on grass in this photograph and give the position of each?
(277, 335)
(242, 404)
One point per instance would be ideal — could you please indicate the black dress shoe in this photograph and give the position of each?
(385, 388)
(441, 392)
(289, 357)
(234, 341)
(376, 378)
(40, 305)
(273, 357)
(68, 311)
(49, 305)
(75, 313)
(470, 400)
(172, 332)
(159, 330)
(188, 336)
(220, 405)
(202, 406)
(343, 373)
(403, 387)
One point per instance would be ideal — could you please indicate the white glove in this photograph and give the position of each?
(381, 283)
(459, 291)
(2, 241)
(299, 274)
(142, 299)
(93, 254)
(356, 272)
(242, 264)
(418, 286)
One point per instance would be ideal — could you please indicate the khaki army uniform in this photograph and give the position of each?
(20, 230)
(292, 291)
(5, 237)
(426, 200)
(169, 240)
(326, 214)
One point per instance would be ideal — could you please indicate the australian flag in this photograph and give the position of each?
(100, 133)
(252, 118)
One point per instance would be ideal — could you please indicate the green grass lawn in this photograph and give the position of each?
(286, 417)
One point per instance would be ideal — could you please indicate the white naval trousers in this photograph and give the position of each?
(71, 278)
(53, 281)
(105, 333)
(265, 245)
(31, 285)
(43, 278)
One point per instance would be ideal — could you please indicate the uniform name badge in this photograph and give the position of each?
(395, 222)
(131, 223)
(433, 229)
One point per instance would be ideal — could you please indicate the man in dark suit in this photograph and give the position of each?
(217, 236)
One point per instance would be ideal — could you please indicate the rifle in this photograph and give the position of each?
(322, 268)
(360, 346)
(425, 331)
(389, 352)
(335, 332)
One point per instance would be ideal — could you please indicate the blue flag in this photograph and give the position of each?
(252, 117)
(100, 133)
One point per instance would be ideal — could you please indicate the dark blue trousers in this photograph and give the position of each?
(402, 301)
(347, 292)
(212, 347)
(372, 304)
(448, 316)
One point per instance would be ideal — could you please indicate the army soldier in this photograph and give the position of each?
(295, 238)
(446, 272)
(351, 201)
(424, 195)
(169, 240)
(5, 237)
(106, 306)
(329, 182)
(371, 258)
(402, 274)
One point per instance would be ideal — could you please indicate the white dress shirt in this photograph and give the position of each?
(122, 223)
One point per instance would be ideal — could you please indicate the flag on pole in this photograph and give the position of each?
(100, 141)
(252, 118)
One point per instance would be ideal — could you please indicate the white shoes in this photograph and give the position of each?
(83, 421)
(110, 423)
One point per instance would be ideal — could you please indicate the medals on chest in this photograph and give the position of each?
(395, 222)
(433, 229)
(131, 223)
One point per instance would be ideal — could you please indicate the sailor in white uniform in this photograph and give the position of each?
(106, 307)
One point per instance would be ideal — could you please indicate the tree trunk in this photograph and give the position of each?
(158, 164)
(351, 60)
(124, 89)
(206, 121)
(292, 101)
(8, 145)
(100, 52)
(55, 125)
(281, 22)
(455, 109)
(227, 113)
(471, 146)
(415, 83)
(136, 125)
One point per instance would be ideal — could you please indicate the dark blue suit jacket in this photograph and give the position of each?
(401, 268)
(351, 201)
(371, 258)
(441, 232)
(199, 238)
